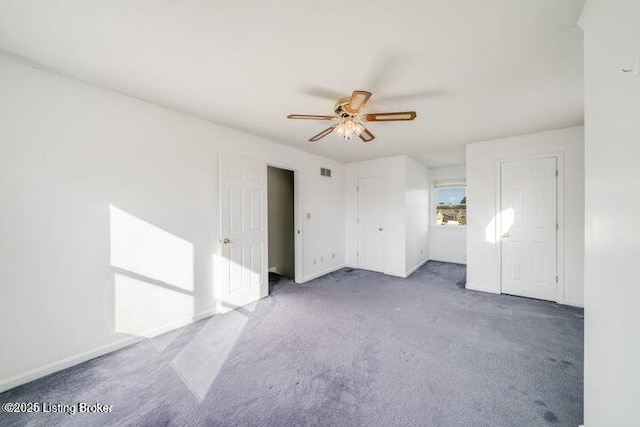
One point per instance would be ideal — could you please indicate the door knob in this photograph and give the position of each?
(225, 241)
(380, 229)
(505, 235)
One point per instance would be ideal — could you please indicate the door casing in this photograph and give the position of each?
(560, 209)
(382, 267)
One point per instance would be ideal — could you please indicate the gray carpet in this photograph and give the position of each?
(353, 348)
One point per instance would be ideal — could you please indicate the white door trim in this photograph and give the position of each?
(382, 175)
(297, 219)
(560, 207)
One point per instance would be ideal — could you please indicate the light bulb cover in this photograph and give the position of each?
(349, 128)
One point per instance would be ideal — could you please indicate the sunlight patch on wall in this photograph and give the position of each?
(499, 225)
(146, 309)
(149, 251)
(153, 289)
(153, 285)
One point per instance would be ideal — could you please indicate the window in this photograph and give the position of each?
(451, 203)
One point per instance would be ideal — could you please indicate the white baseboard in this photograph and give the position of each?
(321, 273)
(452, 261)
(413, 270)
(204, 314)
(494, 291)
(76, 359)
(65, 363)
(473, 287)
(573, 303)
(402, 275)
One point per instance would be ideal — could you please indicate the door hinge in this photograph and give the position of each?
(556, 279)
(358, 221)
(357, 188)
(557, 226)
(556, 172)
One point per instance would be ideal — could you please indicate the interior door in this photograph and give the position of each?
(528, 220)
(371, 191)
(243, 232)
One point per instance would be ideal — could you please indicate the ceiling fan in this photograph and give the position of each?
(347, 112)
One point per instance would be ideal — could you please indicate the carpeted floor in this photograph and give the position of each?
(353, 348)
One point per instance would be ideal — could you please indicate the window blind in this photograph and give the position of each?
(450, 183)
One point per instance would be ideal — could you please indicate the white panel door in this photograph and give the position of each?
(371, 191)
(242, 275)
(528, 220)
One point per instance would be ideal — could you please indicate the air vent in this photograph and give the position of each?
(325, 172)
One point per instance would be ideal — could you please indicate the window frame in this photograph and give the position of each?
(446, 184)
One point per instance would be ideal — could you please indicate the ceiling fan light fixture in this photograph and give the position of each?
(349, 128)
(347, 113)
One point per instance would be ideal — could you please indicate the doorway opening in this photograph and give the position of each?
(281, 225)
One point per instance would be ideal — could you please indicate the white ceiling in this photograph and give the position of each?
(473, 69)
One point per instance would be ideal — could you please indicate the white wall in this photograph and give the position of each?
(446, 243)
(281, 224)
(69, 151)
(483, 260)
(612, 253)
(417, 214)
(405, 236)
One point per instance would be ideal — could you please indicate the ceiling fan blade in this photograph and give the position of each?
(389, 117)
(322, 92)
(366, 135)
(358, 100)
(322, 134)
(384, 68)
(310, 117)
(427, 94)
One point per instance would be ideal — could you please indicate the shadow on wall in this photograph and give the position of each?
(154, 292)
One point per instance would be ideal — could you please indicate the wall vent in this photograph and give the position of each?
(325, 172)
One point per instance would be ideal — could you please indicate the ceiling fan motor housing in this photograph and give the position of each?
(340, 108)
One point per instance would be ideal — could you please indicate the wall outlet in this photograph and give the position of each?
(464, 257)
(333, 255)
